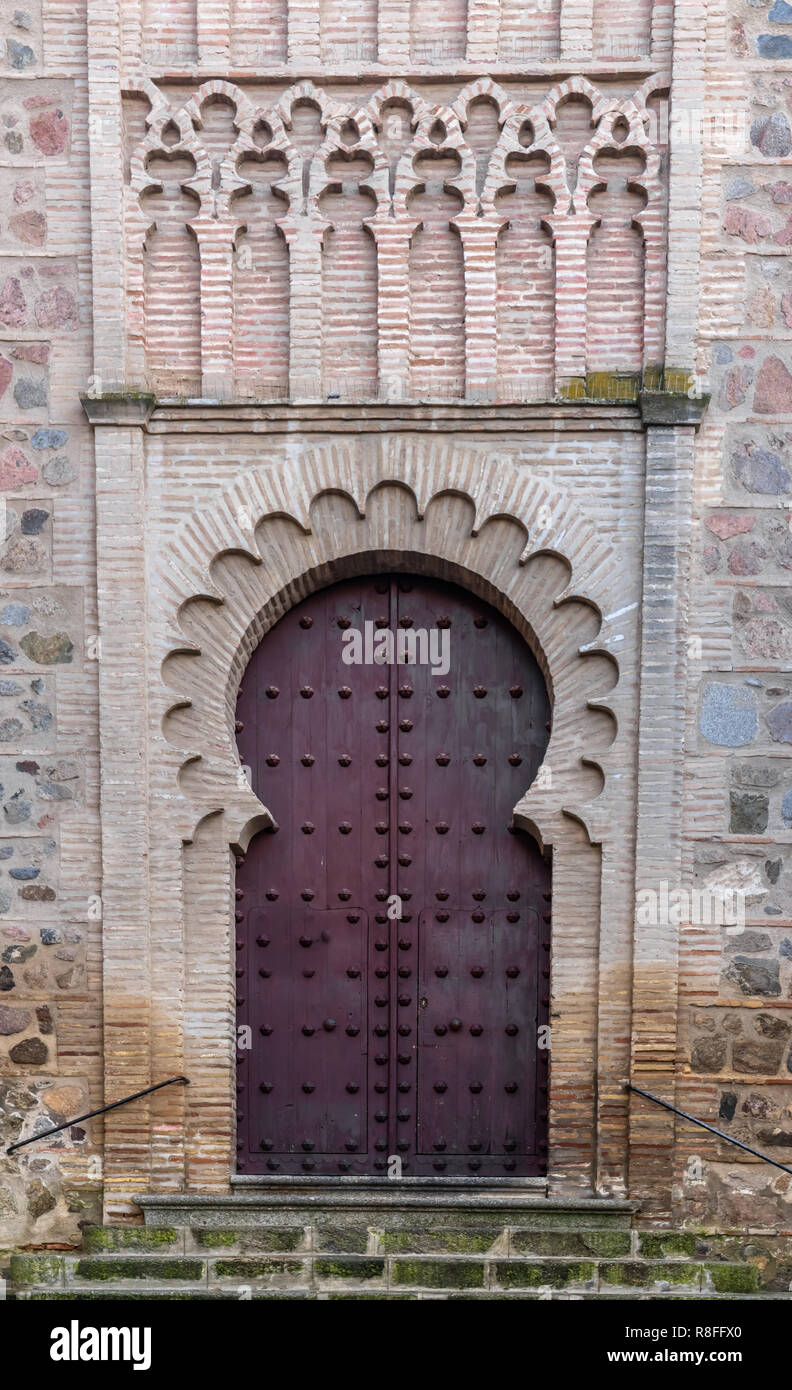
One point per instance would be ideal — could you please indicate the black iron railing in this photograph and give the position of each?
(693, 1119)
(90, 1114)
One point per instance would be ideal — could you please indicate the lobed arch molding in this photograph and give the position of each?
(280, 532)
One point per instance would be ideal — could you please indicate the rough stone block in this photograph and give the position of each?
(343, 1240)
(101, 1239)
(438, 1274)
(658, 1274)
(349, 1268)
(553, 1274)
(144, 1267)
(446, 1242)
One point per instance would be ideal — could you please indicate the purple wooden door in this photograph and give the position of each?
(414, 1034)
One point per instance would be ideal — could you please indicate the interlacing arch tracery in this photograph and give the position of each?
(279, 532)
(399, 132)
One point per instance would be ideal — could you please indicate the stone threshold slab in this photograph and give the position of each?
(259, 1182)
(290, 1205)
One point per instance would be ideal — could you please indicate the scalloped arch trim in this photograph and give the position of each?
(458, 511)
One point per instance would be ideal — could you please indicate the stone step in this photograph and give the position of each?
(770, 1255)
(56, 1271)
(154, 1293)
(320, 1272)
(361, 1239)
(151, 1292)
(415, 1203)
(432, 1245)
(102, 1239)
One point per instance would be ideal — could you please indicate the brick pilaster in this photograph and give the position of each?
(304, 31)
(662, 32)
(393, 251)
(481, 348)
(658, 859)
(577, 29)
(305, 311)
(571, 241)
(106, 193)
(653, 221)
(213, 28)
(482, 31)
(131, 29)
(684, 193)
(123, 737)
(393, 33)
(217, 296)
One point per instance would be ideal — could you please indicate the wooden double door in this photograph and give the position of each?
(393, 933)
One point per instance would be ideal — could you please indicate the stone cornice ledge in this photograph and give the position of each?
(141, 408)
(200, 416)
(672, 408)
(122, 408)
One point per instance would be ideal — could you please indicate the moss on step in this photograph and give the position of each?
(36, 1269)
(422, 1242)
(554, 1274)
(632, 1274)
(439, 1274)
(125, 1295)
(342, 1240)
(733, 1278)
(350, 1268)
(658, 1245)
(278, 1295)
(245, 1268)
(215, 1240)
(97, 1239)
(272, 1239)
(369, 1296)
(549, 1220)
(150, 1269)
(587, 1254)
(605, 1244)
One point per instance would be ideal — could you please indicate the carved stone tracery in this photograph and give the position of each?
(436, 207)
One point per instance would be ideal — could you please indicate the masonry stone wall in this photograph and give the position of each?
(305, 261)
(50, 921)
(734, 996)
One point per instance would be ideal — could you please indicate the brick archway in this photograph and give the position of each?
(276, 534)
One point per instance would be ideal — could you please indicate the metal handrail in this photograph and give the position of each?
(89, 1115)
(628, 1086)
